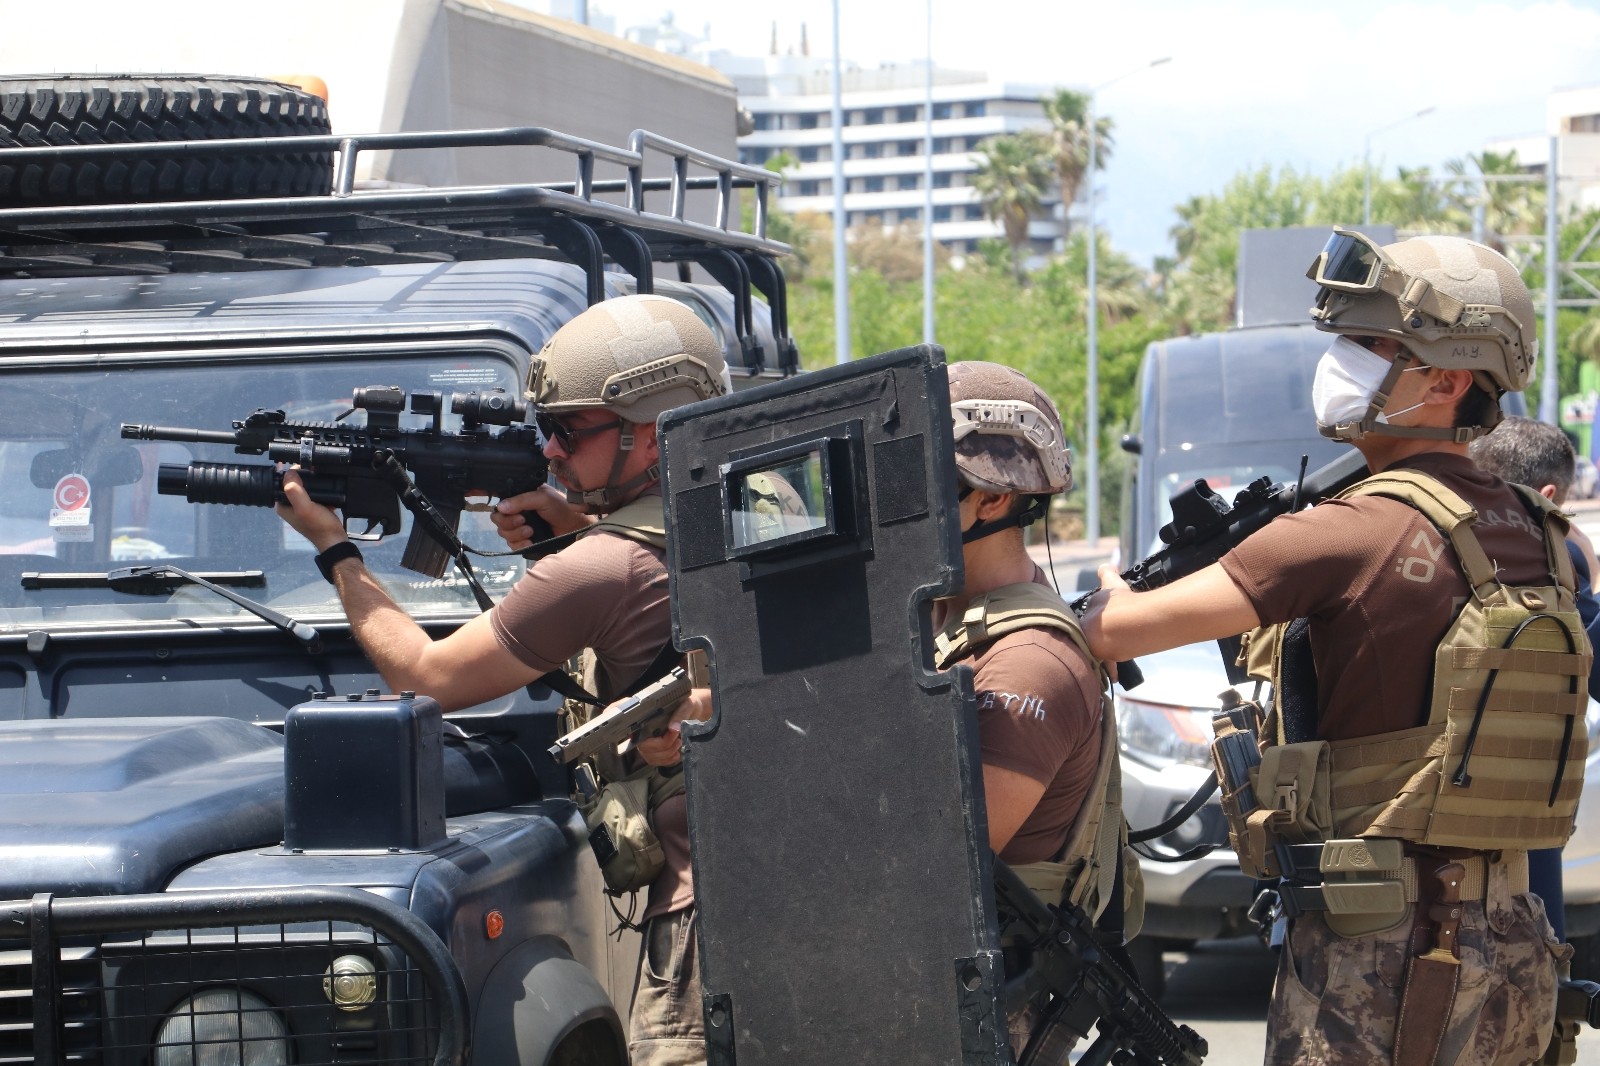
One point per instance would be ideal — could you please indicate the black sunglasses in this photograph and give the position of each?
(555, 429)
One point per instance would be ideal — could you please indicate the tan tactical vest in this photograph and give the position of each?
(1085, 872)
(1499, 763)
(644, 521)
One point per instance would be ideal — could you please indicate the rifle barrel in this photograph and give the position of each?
(131, 431)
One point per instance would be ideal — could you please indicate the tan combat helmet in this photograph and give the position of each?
(635, 356)
(1450, 302)
(1008, 438)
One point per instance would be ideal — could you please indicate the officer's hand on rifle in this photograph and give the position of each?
(548, 503)
(667, 748)
(321, 525)
(1111, 584)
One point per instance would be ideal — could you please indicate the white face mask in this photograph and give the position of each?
(1347, 378)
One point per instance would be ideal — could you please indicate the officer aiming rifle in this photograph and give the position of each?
(1428, 667)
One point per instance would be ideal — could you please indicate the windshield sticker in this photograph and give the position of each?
(70, 511)
(451, 376)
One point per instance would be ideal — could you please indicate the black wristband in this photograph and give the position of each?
(325, 560)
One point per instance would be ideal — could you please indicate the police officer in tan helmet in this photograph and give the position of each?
(1428, 667)
(597, 388)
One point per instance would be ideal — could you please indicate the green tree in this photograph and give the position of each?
(1068, 112)
(1012, 178)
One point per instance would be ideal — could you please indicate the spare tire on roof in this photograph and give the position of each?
(62, 109)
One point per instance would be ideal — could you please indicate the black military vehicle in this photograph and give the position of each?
(433, 897)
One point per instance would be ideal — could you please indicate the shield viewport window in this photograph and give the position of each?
(781, 504)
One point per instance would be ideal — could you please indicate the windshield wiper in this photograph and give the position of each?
(157, 578)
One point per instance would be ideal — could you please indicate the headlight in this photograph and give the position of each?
(351, 982)
(223, 1027)
(1159, 734)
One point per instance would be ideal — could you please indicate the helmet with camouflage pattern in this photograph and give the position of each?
(1450, 302)
(1008, 434)
(636, 356)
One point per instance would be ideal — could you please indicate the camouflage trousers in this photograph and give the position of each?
(1336, 999)
(666, 1026)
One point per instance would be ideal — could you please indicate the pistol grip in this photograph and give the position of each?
(540, 530)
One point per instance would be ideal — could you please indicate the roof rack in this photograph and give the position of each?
(351, 227)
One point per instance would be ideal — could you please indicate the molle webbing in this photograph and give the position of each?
(1499, 763)
(1085, 872)
(642, 520)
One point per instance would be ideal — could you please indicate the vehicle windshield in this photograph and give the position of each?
(78, 498)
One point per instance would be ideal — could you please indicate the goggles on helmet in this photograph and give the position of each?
(1350, 262)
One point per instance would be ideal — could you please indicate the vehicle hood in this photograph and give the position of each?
(99, 806)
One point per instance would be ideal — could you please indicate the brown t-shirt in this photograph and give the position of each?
(604, 592)
(1381, 586)
(608, 593)
(1039, 715)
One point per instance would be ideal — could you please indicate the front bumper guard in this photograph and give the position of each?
(45, 919)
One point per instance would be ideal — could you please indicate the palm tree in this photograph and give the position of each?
(1511, 208)
(1068, 112)
(1012, 177)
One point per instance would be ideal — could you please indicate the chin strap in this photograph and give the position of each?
(1030, 514)
(611, 495)
(1369, 423)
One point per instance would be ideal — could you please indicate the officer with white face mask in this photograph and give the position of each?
(1428, 667)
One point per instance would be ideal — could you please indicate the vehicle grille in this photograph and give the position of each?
(79, 1015)
(242, 994)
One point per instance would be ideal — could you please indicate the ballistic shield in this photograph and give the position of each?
(842, 868)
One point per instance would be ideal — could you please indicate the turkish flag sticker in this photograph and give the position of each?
(72, 493)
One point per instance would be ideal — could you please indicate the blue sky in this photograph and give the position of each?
(1251, 82)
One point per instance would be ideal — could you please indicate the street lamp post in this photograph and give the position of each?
(1366, 162)
(927, 191)
(841, 262)
(1091, 508)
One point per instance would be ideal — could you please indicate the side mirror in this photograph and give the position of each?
(1132, 444)
(118, 466)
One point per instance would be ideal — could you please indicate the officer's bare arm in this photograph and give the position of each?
(465, 668)
(1123, 624)
(1010, 797)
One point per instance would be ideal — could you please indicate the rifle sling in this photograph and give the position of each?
(1178, 817)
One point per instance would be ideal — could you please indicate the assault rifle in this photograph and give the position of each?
(623, 719)
(369, 472)
(1082, 986)
(1204, 528)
